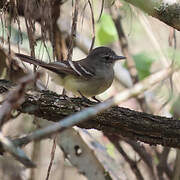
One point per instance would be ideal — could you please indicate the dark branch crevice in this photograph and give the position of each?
(117, 121)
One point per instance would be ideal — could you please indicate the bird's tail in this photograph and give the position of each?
(30, 60)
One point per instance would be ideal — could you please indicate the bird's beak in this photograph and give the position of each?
(115, 58)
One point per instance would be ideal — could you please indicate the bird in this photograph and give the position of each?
(87, 77)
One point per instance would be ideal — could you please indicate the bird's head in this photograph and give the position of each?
(105, 55)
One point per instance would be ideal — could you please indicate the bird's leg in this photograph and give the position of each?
(97, 100)
(84, 98)
(64, 95)
(63, 92)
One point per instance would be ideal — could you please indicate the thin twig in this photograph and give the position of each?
(124, 45)
(132, 163)
(155, 43)
(52, 158)
(15, 151)
(162, 165)
(15, 98)
(102, 6)
(73, 30)
(35, 156)
(30, 26)
(93, 25)
(146, 157)
(176, 172)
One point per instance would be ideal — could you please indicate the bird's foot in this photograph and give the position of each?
(64, 96)
(97, 100)
(86, 100)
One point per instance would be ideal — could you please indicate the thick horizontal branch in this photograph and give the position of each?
(166, 11)
(118, 121)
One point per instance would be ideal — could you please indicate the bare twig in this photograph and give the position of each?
(146, 157)
(30, 26)
(35, 156)
(93, 25)
(148, 29)
(15, 151)
(132, 163)
(124, 45)
(102, 6)
(162, 166)
(15, 98)
(143, 85)
(52, 158)
(176, 172)
(125, 49)
(73, 30)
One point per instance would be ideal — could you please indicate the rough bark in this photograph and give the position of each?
(117, 121)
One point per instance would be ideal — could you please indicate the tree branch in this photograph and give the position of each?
(167, 12)
(118, 121)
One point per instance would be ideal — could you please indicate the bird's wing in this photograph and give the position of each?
(76, 68)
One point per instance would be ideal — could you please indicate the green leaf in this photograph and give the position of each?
(143, 64)
(106, 31)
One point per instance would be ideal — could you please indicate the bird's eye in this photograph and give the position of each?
(106, 57)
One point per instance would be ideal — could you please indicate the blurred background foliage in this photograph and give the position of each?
(152, 46)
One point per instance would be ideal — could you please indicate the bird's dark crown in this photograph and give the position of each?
(102, 51)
